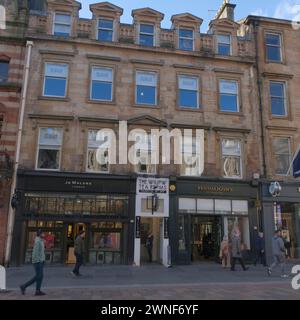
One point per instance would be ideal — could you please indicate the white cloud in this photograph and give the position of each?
(287, 9)
(260, 12)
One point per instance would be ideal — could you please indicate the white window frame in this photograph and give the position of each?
(284, 98)
(136, 87)
(275, 154)
(67, 79)
(228, 154)
(105, 29)
(183, 166)
(198, 91)
(147, 34)
(272, 45)
(112, 82)
(87, 155)
(220, 42)
(62, 23)
(38, 149)
(186, 38)
(237, 95)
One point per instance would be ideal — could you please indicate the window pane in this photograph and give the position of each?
(224, 39)
(104, 23)
(273, 53)
(281, 145)
(188, 99)
(230, 87)
(55, 87)
(273, 39)
(146, 95)
(50, 136)
(185, 44)
(146, 40)
(93, 164)
(64, 18)
(186, 33)
(231, 166)
(224, 49)
(277, 89)
(105, 35)
(56, 70)
(102, 91)
(231, 147)
(146, 79)
(278, 107)
(102, 74)
(228, 103)
(282, 163)
(3, 71)
(61, 30)
(48, 159)
(145, 28)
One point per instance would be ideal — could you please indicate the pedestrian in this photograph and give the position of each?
(149, 245)
(278, 250)
(224, 252)
(38, 261)
(260, 249)
(236, 252)
(79, 253)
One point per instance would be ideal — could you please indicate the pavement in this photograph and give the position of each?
(154, 282)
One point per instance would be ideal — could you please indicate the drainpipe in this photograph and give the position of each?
(11, 212)
(256, 25)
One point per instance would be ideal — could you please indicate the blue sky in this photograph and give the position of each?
(286, 9)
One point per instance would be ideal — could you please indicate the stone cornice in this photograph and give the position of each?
(99, 57)
(235, 130)
(277, 75)
(49, 116)
(281, 128)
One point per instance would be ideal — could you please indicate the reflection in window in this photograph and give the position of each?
(95, 143)
(282, 155)
(186, 39)
(188, 92)
(105, 30)
(62, 24)
(106, 241)
(231, 157)
(55, 81)
(273, 47)
(147, 35)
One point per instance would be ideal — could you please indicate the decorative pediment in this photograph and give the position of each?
(186, 17)
(148, 12)
(67, 3)
(147, 120)
(106, 7)
(223, 24)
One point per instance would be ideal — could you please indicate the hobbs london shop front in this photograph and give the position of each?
(203, 212)
(63, 204)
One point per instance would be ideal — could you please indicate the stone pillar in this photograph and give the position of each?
(268, 228)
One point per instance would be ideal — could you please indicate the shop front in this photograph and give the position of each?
(282, 211)
(152, 214)
(202, 213)
(62, 205)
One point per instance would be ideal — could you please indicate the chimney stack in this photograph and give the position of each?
(226, 11)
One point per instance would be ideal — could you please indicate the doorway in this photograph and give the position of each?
(73, 229)
(205, 238)
(152, 226)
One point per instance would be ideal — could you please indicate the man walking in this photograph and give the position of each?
(278, 249)
(236, 250)
(38, 260)
(79, 252)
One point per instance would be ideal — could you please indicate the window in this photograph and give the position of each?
(273, 47)
(105, 30)
(146, 88)
(102, 84)
(188, 92)
(278, 98)
(231, 158)
(50, 141)
(62, 24)
(282, 155)
(186, 39)
(190, 157)
(4, 71)
(144, 148)
(228, 96)
(93, 164)
(55, 82)
(224, 45)
(147, 35)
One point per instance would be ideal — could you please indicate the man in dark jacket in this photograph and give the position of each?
(79, 252)
(236, 253)
(260, 249)
(278, 249)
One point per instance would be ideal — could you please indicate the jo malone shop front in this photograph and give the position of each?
(63, 204)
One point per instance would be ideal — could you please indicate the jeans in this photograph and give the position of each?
(233, 262)
(38, 278)
(278, 260)
(149, 249)
(79, 262)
